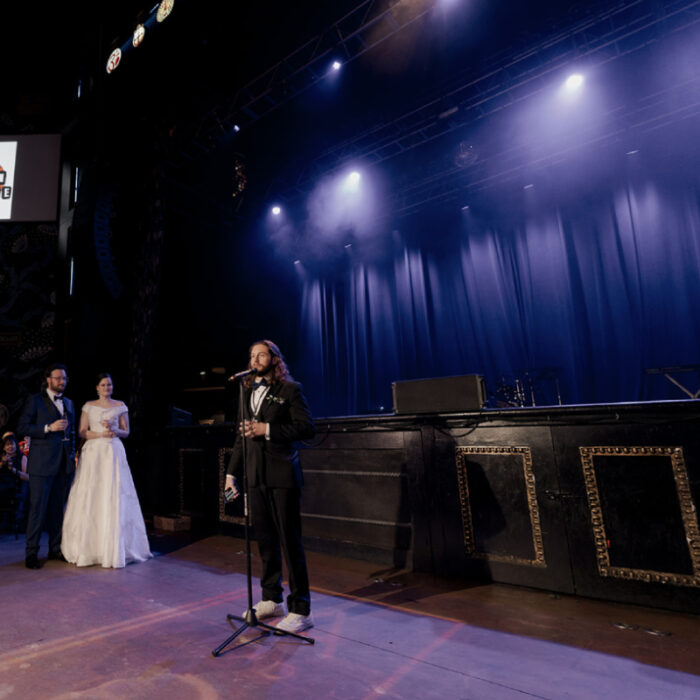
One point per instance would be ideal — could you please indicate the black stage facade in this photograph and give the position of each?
(593, 500)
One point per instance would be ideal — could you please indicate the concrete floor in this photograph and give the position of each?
(147, 631)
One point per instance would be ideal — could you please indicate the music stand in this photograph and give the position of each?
(250, 619)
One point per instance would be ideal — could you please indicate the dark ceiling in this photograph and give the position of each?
(415, 70)
(203, 54)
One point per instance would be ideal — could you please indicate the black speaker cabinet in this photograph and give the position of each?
(440, 394)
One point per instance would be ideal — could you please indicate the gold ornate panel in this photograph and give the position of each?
(529, 478)
(688, 514)
(224, 454)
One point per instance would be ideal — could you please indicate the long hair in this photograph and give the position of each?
(279, 373)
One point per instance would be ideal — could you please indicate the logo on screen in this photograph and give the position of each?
(5, 190)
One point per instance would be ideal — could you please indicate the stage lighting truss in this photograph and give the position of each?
(157, 15)
(362, 29)
(600, 33)
(605, 33)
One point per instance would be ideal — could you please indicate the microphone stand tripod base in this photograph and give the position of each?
(250, 621)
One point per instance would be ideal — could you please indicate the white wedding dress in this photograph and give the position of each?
(103, 523)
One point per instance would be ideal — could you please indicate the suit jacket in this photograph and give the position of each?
(46, 448)
(275, 462)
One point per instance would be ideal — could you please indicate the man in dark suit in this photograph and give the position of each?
(275, 415)
(49, 419)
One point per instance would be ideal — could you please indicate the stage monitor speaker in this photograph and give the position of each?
(440, 394)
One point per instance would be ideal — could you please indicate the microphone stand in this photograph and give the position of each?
(250, 620)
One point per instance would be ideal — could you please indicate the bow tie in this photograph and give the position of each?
(261, 383)
(57, 399)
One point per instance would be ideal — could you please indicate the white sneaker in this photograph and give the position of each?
(293, 622)
(268, 608)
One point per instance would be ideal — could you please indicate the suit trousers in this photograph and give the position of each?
(47, 499)
(276, 517)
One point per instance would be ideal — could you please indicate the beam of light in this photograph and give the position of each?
(573, 83)
(336, 65)
(276, 210)
(88, 638)
(343, 205)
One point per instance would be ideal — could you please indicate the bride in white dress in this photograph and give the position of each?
(103, 523)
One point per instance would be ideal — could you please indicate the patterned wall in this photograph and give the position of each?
(28, 290)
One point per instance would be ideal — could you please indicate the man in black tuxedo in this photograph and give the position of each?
(49, 419)
(275, 415)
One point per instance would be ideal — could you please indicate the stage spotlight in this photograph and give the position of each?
(236, 128)
(353, 179)
(573, 83)
(465, 207)
(297, 262)
(276, 210)
(138, 36)
(348, 246)
(528, 187)
(336, 65)
(114, 60)
(633, 152)
(164, 9)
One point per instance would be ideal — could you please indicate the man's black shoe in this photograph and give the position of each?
(32, 562)
(57, 556)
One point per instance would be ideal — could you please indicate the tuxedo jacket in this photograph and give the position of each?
(274, 462)
(45, 450)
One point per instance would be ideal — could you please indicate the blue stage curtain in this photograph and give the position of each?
(592, 294)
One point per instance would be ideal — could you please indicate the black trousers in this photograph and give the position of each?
(47, 499)
(276, 518)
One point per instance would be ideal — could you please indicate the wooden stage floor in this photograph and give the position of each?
(147, 631)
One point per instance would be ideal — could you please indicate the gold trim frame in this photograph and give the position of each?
(180, 453)
(531, 495)
(687, 506)
(224, 453)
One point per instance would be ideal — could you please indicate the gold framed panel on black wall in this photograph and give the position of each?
(516, 504)
(224, 517)
(642, 513)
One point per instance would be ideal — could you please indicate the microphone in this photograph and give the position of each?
(244, 373)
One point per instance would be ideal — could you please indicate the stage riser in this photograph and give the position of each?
(584, 504)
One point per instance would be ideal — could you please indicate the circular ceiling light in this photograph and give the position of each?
(114, 60)
(139, 34)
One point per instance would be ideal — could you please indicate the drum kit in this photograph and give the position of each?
(528, 387)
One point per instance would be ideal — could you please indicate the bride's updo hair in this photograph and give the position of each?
(103, 375)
